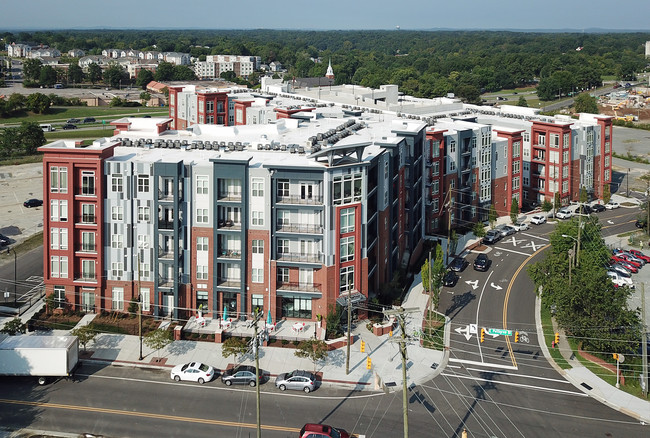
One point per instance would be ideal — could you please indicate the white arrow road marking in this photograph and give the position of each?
(610, 222)
(465, 331)
(496, 286)
(474, 283)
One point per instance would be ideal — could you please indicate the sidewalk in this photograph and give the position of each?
(386, 372)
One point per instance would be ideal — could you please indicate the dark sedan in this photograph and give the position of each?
(482, 263)
(598, 208)
(450, 279)
(458, 265)
(69, 126)
(33, 203)
(241, 375)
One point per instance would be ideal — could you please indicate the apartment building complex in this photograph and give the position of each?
(286, 203)
(215, 65)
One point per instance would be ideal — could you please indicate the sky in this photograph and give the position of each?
(575, 15)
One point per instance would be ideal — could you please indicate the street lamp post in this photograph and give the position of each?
(15, 282)
(627, 179)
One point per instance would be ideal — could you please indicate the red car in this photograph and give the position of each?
(625, 263)
(631, 259)
(311, 430)
(639, 255)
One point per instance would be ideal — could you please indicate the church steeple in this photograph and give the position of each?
(330, 72)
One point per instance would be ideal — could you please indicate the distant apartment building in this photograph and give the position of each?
(15, 50)
(215, 65)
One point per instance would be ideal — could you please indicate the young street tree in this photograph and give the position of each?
(492, 215)
(312, 349)
(479, 230)
(514, 210)
(14, 327)
(234, 347)
(158, 339)
(433, 275)
(85, 334)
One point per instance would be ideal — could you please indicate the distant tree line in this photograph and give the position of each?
(38, 103)
(23, 140)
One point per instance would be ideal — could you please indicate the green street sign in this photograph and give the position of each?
(504, 332)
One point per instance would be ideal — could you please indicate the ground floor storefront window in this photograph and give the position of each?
(296, 308)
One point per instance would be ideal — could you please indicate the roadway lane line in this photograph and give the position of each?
(478, 308)
(519, 385)
(527, 376)
(507, 297)
(512, 250)
(484, 364)
(535, 236)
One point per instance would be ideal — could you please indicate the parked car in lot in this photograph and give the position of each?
(492, 236)
(69, 126)
(619, 280)
(537, 219)
(611, 205)
(458, 264)
(240, 375)
(482, 263)
(312, 430)
(297, 379)
(638, 254)
(563, 213)
(620, 269)
(505, 230)
(32, 203)
(194, 371)
(450, 279)
(520, 225)
(631, 259)
(627, 265)
(598, 208)
(583, 209)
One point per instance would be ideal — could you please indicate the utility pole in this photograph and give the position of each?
(347, 357)
(256, 344)
(579, 231)
(644, 339)
(139, 307)
(572, 252)
(400, 313)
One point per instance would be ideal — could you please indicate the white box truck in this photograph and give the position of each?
(40, 356)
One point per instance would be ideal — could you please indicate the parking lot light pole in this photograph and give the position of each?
(15, 283)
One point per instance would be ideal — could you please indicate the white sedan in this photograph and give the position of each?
(520, 226)
(611, 205)
(195, 371)
(537, 219)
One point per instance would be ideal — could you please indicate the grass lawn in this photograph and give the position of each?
(549, 336)
(60, 114)
(76, 134)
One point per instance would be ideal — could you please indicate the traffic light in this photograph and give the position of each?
(615, 356)
(363, 347)
(516, 336)
(368, 363)
(557, 338)
(482, 334)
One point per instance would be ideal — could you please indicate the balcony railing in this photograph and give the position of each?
(229, 224)
(230, 254)
(89, 219)
(299, 287)
(165, 282)
(228, 282)
(229, 196)
(167, 225)
(168, 196)
(86, 276)
(300, 200)
(300, 257)
(87, 247)
(300, 228)
(165, 253)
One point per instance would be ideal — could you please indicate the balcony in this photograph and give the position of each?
(300, 257)
(291, 286)
(229, 196)
(229, 282)
(228, 224)
(87, 277)
(167, 225)
(87, 219)
(169, 196)
(165, 253)
(299, 200)
(299, 228)
(230, 254)
(87, 248)
(165, 282)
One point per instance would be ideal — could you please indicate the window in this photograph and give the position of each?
(58, 179)
(59, 238)
(515, 167)
(526, 181)
(436, 205)
(258, 275)
(554, 140)
(145, 270)
(283, 246)
(258, 247)
(143, 183)
(347, 220)
(565, 186)
(257, 303)
(87, 241)
(452, 146)
(116, 183)
(452, 166)
(144, 241)
(201, 272)
(202, 215)
(606, 160)
(283, 275)
(117, 269)
(347, 189)
(87, 183)
(118, 298)
(515, 183)
(283, 217)
(257, 218)
(59, 296)
(88, 213)
(516, 149)
(541, 139)
(202, 243)
(209, 106)
(117, 241)
(283, 188)
(435, 186)
(436, 168)
(257, 187)
(144, 214)
(88, 269)
(117, 213)
(347, 249)
(346, 279)
(435, 148)
(59, 267)
(606, 147)
(145, 294)
(58, 210)
(202, 182)
(296, 307)
(565, 142)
